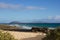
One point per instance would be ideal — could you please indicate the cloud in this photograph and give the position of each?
(57, 17)
(5, 5)
(50, 17)
(33, 7)
(19, 7)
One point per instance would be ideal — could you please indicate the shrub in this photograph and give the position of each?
(6, 36)
(53, 35)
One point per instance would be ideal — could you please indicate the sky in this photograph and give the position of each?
(29, 10)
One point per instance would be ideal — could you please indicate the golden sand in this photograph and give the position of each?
(24, 35)
(27, 35)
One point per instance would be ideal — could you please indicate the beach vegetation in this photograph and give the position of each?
(53, 35)
(6, 36)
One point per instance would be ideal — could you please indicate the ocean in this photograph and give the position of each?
(30, 25)
(49, 25)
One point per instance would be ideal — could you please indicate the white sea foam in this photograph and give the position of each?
(26, 27)
(21, 27)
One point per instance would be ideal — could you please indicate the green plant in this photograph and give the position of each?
(53, 35)
(6, 36)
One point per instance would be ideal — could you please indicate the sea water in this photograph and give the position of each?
(43, 25)
(52, 25)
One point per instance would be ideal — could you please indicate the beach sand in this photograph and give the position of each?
(27, 35)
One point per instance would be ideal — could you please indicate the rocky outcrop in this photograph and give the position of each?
(36, 29)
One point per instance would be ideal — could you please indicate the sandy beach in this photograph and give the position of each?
(27, 35)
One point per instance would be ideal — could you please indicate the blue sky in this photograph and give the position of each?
(29, 10)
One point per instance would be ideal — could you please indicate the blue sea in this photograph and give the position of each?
(49, 25)
(30, 25)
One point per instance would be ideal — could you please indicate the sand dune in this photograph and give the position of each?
(27, 35)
